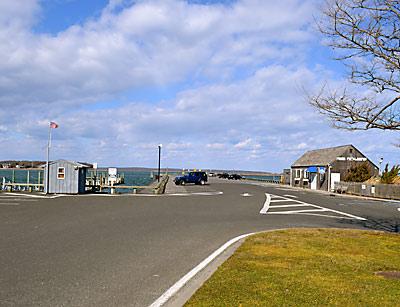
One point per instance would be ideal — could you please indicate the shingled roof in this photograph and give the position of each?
(321, 157)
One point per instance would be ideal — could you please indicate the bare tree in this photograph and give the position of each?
(366, 35)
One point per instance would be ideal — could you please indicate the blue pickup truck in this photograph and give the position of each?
(192, 177)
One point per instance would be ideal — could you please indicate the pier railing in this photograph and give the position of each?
(22, 180)
(30, 187)
(275, 181)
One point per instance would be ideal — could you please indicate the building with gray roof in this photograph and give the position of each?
(319, 169)
(66, 177)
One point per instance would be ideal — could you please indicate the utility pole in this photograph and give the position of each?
(52, 125)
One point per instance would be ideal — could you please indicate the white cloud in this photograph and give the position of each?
(216, 146)
(241, 67)
(243, 144)
(149, 43)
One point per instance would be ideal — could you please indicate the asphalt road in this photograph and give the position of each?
(127, 250)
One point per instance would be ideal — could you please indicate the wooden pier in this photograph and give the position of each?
(96, 181)
(30, 187)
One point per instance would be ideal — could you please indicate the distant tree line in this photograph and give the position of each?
(20, 164)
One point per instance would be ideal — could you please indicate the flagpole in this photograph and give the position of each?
(47, 162)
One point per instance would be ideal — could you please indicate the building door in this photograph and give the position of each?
(335, 177)
(313, 179)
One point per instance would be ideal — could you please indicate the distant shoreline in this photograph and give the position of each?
(163, 170)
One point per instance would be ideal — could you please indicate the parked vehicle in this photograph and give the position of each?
(235, 177)
(223, 175)
(192, 177)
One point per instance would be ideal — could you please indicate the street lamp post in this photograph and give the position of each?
(380, 165)
(159, 162)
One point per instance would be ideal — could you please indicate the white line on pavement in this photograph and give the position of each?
(246, 195)
(265, 208)
(282, 200)
(299, 211)
(288, 195)
(277, 197)
(287, 206)
(184, 280)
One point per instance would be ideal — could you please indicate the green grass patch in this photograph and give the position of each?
(307, 267)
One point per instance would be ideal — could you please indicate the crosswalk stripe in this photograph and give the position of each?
(299, 203)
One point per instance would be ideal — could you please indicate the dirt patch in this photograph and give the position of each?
(389, 274)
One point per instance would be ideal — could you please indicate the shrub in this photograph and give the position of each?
(388, 176)
(359, 173)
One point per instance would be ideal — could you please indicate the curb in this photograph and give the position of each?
(181, 283)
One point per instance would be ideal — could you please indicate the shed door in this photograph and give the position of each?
(335, 177)
(313, 178)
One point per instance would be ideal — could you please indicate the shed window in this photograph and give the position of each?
(61, 173)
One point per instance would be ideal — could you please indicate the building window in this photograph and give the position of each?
(61, 173)
(305, 174)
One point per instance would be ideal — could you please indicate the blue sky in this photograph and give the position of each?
(221, 84)
(58, 15)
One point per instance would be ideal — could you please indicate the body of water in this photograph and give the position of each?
(21, 176)
(264, 178)
(140, 178)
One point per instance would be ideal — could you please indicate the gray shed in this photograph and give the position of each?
(66, 177)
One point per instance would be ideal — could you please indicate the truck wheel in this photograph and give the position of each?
(202, 182)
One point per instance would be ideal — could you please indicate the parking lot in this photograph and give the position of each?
(128, 250)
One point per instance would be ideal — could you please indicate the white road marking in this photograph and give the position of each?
(287, 206)
(266, 206)
(281, 200)
(277, 197)
(288, 195)
(246, 195)
(299, 211)
(398, 209)
(184, 280)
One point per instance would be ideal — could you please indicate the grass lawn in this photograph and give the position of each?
(307, 267)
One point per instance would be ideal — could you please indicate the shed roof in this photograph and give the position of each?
(321, 156)
(77, 164)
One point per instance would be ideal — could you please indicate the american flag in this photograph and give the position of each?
(53, 125)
